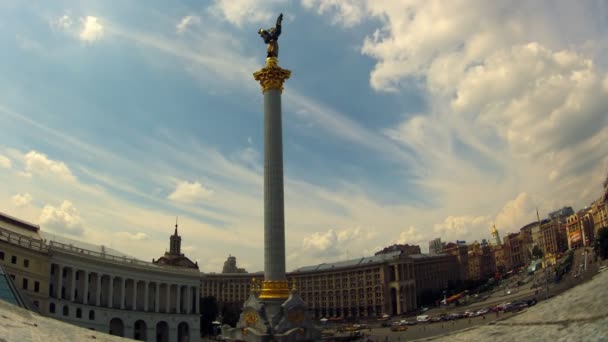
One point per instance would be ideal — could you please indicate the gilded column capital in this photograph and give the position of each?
(272, 75)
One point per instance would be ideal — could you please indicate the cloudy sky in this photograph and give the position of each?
(403, 121)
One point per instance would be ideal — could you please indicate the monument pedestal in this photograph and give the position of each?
(272, 320)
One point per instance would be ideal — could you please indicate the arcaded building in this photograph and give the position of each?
(101, 289)
(390, 283)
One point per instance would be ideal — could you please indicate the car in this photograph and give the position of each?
(483, 311)
(399, 327)
(435, 319)
(423, 318)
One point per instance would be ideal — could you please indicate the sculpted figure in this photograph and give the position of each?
(271, 38)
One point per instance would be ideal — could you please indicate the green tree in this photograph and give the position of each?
(601, 243)
(537, 252)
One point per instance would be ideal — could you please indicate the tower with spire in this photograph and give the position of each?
(175, 242)
(175, 257)
(495, 236)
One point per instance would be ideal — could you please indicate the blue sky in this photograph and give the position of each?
(403, 121)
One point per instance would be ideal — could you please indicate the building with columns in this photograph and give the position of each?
(121, 295)
(389, 283)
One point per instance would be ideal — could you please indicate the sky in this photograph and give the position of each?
(402, 121)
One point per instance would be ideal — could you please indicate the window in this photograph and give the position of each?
(1, 255)
(78, 313)
(52, 308)
(92, 315)
(13, 276)
(14, 259)
(36, 286)
(26, 263)
(37, 304)
(66, 310)
(25, 283)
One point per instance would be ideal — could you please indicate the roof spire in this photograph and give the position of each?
(176, 217)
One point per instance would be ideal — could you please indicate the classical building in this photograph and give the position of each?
(550, 239)
(388, 283)
(514, 250)
(101, 289)
(26, 259)
(461, 252)
(580, 229)
(599, 212)
(121, 295)
(174, 257)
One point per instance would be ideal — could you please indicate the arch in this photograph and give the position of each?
(91, 314)
(117, 327)
(139, 330)
(162, 332)
(52, 308)
(78, 313)
(66, 310)
(183, 332)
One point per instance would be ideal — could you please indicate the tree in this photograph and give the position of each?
(537, 252)
(601, 243)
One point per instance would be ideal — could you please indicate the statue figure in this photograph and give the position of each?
(271, 37)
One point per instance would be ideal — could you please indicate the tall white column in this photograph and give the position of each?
(73, 286)
(198, 299)
(111, 292)
(157, 295)
(122, 293)
(146, 293)
(178, 303)
(98, 290)
(188, 300)
(168, 298)
(134, 294)
(59, 281)
(85, 293)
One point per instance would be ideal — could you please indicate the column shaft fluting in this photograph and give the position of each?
(274, 219)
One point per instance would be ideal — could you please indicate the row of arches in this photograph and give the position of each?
(140, 330)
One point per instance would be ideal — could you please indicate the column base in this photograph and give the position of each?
(274, 289)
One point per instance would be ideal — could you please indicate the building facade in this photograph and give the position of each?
(26, 259)
(123, 296)
(390, 283)
(435, 246)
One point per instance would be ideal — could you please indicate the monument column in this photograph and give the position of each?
(271, 78)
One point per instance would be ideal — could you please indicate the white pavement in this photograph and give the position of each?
(579, 314)
(20, 325)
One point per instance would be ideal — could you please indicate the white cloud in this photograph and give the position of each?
(411, 236)
(21, 200)
(186, 21)
(39, 164)
(462, 227)
(347, 13)
(63, 23)
(5, 162)
(239, 12)
(517, 213)
(62, 219)
(92, 29)
(139, 236)
(189, 192)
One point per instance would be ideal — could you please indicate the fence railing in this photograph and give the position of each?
(46, 246)
(23, 241)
